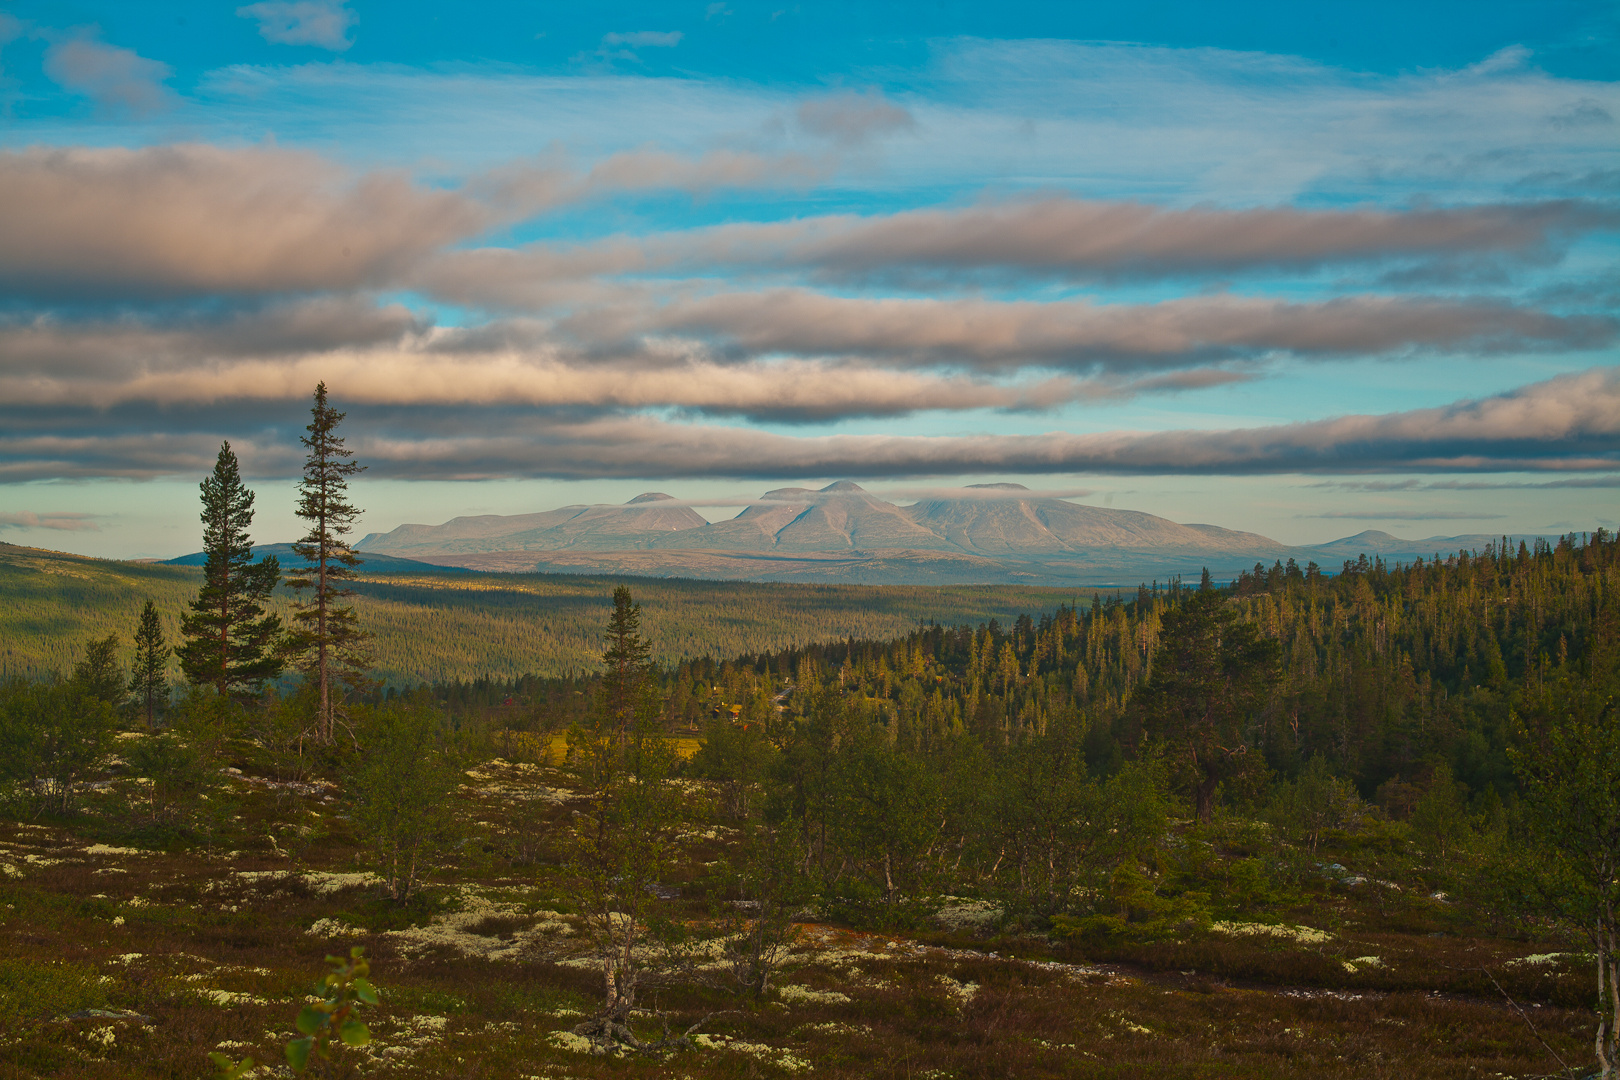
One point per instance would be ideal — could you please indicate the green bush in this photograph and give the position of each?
(52, 734)
(398, 782)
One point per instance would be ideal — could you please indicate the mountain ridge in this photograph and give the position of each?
(841, 532)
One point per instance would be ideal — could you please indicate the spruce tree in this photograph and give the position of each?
(328, 638)
(148, 679)
(231, 643)
(629, 668)
(98, 672)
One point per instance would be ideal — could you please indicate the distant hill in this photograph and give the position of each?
(842, 533)
(1393, 548)
(370, 564)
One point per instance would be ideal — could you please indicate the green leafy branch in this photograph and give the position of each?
(341, 991)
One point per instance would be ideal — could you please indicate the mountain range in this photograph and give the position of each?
(988, 533)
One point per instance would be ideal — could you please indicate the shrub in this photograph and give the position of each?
(398, 784)
(52, 734)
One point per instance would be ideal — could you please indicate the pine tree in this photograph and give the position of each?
(628, 668)
(328, 638)
(230, 642)
(148, 679)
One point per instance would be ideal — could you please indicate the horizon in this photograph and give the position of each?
(1301, 278)
(910, 498)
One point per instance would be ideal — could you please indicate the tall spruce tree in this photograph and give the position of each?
(148, 679)
(328, 639)
(231, 643)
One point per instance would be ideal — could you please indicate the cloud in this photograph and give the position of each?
(852, 118)
(60, 521)
(193, 219)
(644, 39)
(386, 357)
(1404, 515)
(116, 79)
(1569, 423)
(1473, 485)
(1081, 335)
(187, 219)
(321, 23)
(1085, 239)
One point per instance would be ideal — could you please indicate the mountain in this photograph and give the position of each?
(634, 525)
(371, 563)
(841, 517)
(989, 533)
(1000, 523)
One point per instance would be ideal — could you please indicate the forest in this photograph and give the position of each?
(429, 627)
(1359, 823)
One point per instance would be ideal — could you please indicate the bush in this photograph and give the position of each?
(52, 734)
(176, 776)
(398, 783)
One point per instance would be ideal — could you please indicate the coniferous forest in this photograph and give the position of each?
(1359, 823)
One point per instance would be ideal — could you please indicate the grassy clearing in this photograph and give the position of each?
(123, 961)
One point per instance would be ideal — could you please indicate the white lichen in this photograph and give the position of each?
(1302, 935)
(805, 995)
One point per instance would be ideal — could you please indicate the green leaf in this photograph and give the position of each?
(365, 991)
(311, 1019)
(354, 1033)
(298, 1053)
(220, 1059)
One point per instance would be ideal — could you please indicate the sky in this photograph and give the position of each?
(1300, 271)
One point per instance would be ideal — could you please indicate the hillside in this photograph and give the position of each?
(449, 624)
(373, 562)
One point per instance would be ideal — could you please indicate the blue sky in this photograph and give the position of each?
(1295, 271)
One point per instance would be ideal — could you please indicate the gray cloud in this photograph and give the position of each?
(1083, 239)
(852, 118)
(1568, 423)
(642, 39)
(114, 78)
(189, 219)
(1403, 515)
(1473, 485)
(60, 521)
(185, 220)
(321, 23)
(1081, 334)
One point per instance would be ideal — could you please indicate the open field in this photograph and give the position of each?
(131, 961)
(459, 626)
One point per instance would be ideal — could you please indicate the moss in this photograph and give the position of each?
(43, 989)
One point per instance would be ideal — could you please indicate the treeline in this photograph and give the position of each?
(1382, 671)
